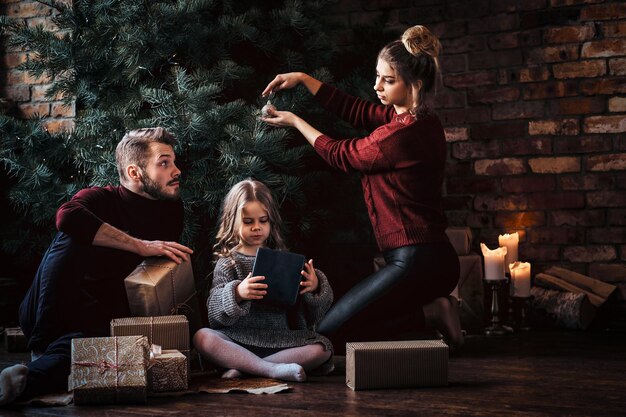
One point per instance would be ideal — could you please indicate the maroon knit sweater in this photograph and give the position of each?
(401, 164)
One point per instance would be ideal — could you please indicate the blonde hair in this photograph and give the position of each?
(133, 148)
(242, 193)
(415, 58)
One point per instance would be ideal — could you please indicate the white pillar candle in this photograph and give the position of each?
(510, 241)
(520, 279)
(494, 262)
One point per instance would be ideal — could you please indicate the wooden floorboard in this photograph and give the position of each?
(531, 374)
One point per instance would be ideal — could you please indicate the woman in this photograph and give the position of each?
(401, 164)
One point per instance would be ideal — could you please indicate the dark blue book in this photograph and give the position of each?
(282, 272)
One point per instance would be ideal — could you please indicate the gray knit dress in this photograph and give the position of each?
(263, 325)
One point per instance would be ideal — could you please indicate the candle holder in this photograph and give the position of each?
(496, 328)
(521, 304)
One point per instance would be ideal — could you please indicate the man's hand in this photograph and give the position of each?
(173, 250)
(251, 288)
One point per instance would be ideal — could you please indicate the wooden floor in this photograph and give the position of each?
(531, 374)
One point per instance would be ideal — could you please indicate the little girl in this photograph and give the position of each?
(247, 336)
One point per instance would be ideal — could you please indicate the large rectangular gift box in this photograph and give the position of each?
(160, 287)
(402, 364)
(109, 370)
(14, 340)
(169, 332)
(168, 372)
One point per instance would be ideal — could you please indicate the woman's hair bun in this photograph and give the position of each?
(419, 40)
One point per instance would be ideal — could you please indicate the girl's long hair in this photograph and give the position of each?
(415, 58)
(242, 193)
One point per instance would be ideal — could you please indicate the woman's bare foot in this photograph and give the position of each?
(443, 314)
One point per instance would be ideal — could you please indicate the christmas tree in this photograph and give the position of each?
(194, 67)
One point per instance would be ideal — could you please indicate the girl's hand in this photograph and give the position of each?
(280, 118)
(310, 281)
(251, 288)
(283, 82)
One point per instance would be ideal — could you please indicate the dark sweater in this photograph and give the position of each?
(401, 164)
(106, 268)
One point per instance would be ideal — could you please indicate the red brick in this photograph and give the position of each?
(554, 165)
(528, 184)
(463, 116)
(609, 162)
(584, 144)
(578, 105)
(557, 235)
(27, 9)
(39, 93)
(445, 30)
(515, 39)
(456, 134)
(520, 220)
(526, 146)
(577, 218)
(550, 90)
(456, 168)
(493, 95)
(491, 59)
(532, 74)
(617, 66)
(606, 199)
(552, 200)
(497, 23)
(457, 202)
(561, 3)
(497, 167)
(450, 99)
(549, 17)
(620, 179)
(465, 9)
(607, 235)
(470, 79)
(570, 34)
(603, 86)
(59, 125)
(473, 185)
(614, 29)
(490, 130)
(463, 45)
(551, 54)
(17, 92)
(605, 124)
(553, 127)
(45, 22)
(589, 253)
(27, 110)
(453, 63)
(384, 4)
(615, 273)
(518, 110)
(540, 253)
(617, 104)
(475, 150)
(515, 5)
(342, 6)
(586, 182)
(604, 48)
(12, 60)
(617, 217)
(62, 110)
(604, 12)
(580, 69)
(500, 203)
(362, 18)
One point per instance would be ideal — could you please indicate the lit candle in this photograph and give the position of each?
(520, 279)
(494, 262)
(510, 241)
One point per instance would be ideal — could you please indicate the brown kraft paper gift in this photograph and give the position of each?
(161, 287)
(107, 370)
(168, 372)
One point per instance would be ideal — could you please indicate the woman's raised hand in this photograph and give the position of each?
(283, 82)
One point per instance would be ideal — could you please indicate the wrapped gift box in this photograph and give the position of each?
(169, 332)
(168, 371)
(404, 364)
(14, 340)
(461, 239)
(470, 292)
(108, 370)
(160, 287)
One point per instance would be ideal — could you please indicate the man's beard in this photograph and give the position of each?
(154, 190)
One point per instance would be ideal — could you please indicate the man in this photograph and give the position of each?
(104, 232)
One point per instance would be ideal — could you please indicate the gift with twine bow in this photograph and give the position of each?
(109, 370)
(161, 287)
(169, 332)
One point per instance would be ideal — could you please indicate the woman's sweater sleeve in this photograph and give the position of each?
(222, 304)
(318, 303)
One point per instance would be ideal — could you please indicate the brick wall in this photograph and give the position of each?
(534, 105)
(27, 95)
